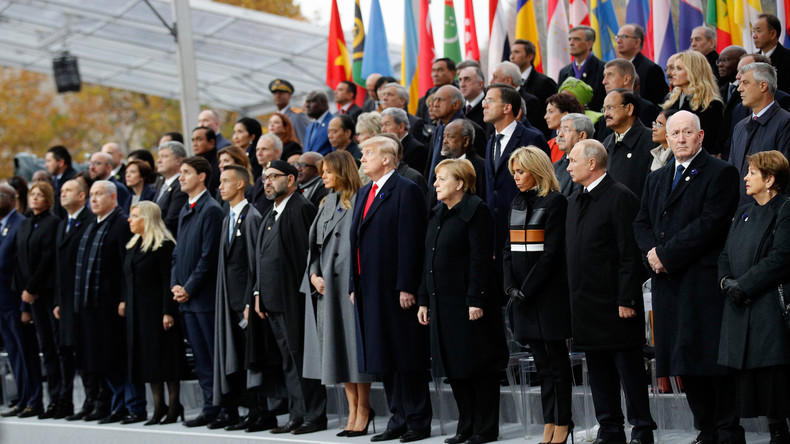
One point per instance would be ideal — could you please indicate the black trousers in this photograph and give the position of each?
(47, 334)
(306, 397)
(556, 381)
(608, 371)
(713, 402)
(478, 405)
(239, 395)
(98, 396)
(409, 400)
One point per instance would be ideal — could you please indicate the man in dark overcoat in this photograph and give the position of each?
(170, 198)
(630, 143)
(387, 235)
(605, 278)
(681, 229)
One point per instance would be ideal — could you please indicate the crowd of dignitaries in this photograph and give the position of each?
(364, 244)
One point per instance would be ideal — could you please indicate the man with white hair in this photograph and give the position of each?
(509, 74)
(471, 82)
(395, 95)
(398, 122)
(209, 118)
(574, 127)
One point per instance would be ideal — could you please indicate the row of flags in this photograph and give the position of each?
(516, 19)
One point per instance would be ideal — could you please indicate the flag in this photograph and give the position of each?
(604, 21)
(663, 32)
(746, 13)
(782, 7)
(426, 54)
(452, 47)
(638, 12)
(502, 29)
(472, 51)
(690, 16)
(719, 18)
(557, 39)
(579, 13)
(527, 29)
(359, 45)
(409, 76)
(377, 56)
(338, 63)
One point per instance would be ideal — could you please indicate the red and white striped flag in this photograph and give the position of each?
(579, 13)
(557, 55)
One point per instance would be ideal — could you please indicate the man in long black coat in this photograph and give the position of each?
(387, 236)
(681, 229)
(605, 277)
(281, 257)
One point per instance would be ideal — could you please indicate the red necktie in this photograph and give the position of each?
(192, 205)
(368, 203)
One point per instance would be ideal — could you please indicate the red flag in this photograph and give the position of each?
(472, 51)
(426, 56)
(338, 63)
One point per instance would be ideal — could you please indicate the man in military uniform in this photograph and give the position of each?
(281, 95)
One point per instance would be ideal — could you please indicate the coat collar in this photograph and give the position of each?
(465, 209)
(381, 197)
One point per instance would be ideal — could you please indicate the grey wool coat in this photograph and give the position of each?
(330, 348)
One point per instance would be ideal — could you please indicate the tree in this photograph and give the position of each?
(285, 8)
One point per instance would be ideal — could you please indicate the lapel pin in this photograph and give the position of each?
(5, 231)
(688, 178)
(628, 155)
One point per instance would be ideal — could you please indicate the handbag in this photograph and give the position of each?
(783, 307)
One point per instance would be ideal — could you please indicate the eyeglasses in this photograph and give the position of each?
(610, 108)
(620, 37)
(302, 165)
(489, 101)
(565, 130)
(658, 125)
(272, 177)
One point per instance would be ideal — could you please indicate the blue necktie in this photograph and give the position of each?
(71, 222)
(498, 149)
(231, 227)
(678, 175)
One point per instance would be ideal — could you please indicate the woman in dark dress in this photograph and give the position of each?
(155, 347)
(281, 126)
(536, 280)
(753, 273)
(246, 133)
(457, 298)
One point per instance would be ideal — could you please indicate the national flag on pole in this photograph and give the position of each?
(579, 13)
(426, 54)
(782, 7)
(527, 29)
(719, 18)
(663, 32)
(690, 13)
(409, 77)
(472, 51)
(338, 63)
(452, 45)
(557, 38)
(638, 12)
(359, 45)
(746, 13)
(377, 56)
(502, 29)
(604, 21)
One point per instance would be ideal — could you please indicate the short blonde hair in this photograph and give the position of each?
(533, 159)
(384, 146)
(462, 170)
(369, 122)
(154, 230)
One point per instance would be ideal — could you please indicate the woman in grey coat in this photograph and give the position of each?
(753, 272)
(330, 350)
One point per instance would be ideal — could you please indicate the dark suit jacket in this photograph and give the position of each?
(415, 154)
(535, 112)
(120, 175)
(36, 255)
(235, 258)
(781, 61)
(9, 296)
(316, 191)
(67, 247)
(593, 76)
(195, 256)
(476, 115)
(123, 192)
(417, 128)
(67, 175)
(539, 85)
(222, 142)
(147, 194)
(653, 84)
(567, 186)
(413, 175)
(258, 199)
(171, 203)
(629, 160)
(688, 227)
(316, 138)
(727, 122)
(213, 181)
(353, 111)
(740, 112)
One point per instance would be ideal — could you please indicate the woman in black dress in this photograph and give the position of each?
(536, 279)
(753, 273)
(457, 299)
(155, 347)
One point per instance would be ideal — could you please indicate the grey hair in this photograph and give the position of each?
(403, 93)
(458, 96)
(467, 64)
(398, 115)
(511, 70)
(369, 122)
(639, 33)
(109, 187)
(763, 72)
(589, 33)
(593, 149)
(624, 68)
(278, 144)
(467, 130)
(580, 123)
(478, 72)
(710, 33)
(175, 147)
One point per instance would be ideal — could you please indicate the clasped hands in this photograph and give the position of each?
(732, 289)
(180, 295)
(655, 262)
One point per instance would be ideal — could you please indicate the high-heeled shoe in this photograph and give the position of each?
(344, 433)
(159, 413)
(570, 433)
(173, 414)
(363, 432)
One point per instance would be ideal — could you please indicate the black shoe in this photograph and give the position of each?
(415, 435)
(343, 433)
(30, 412)
(388, 435)
(241, 424)
(159, 413)
(173, 413)
(200, 421)
(14, 411)
(96, 415)
(309, 427)
(363, 432)
(457, 439)
(79, 415)
(699, 440)
(479, 439)
(602, 441)
(132, 418)
(49, 413)
(64, 410)
(223, 420)
(288, 427)
(640, 441)
(779, 433)
(262, 423)
(116, 416)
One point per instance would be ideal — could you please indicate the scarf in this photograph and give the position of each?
(88, 276)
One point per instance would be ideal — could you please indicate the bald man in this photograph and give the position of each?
(119, 170)
(101, 168)
(210, 119)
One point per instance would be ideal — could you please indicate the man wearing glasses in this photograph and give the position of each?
(630, 39)
(309, 181)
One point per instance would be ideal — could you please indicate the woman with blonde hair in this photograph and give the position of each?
(330, 349)
(155, 346)
(695, 90)
(368, 125)
(536, 280)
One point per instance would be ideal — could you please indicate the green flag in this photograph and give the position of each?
(359, 46)
(452, 47)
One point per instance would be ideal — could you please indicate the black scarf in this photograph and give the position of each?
(86, 282)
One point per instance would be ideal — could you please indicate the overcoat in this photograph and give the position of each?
(9, 295)
(534, 262)
(688, 227)
(630, 159)
(387, 249)
(757, 255)
(710, 121)
(604, 268)
(67, 245)
(36, 255)
(458, 274)
(171, 202)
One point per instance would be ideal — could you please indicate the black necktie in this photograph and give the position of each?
(498, 149)
(678, 175)
(272, 219)
(468, 109)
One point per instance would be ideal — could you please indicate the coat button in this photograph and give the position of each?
(336, 254)
(335, 275)
(496, 210)
(661, 235)
(337, 234)
(495, 192)
(664, 213)
(433, 249)
(431, 272)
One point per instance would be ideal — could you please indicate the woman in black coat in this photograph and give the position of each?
(753, 272)
(467, 333)
(155, 348)
(36, 260)
(535, 278)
